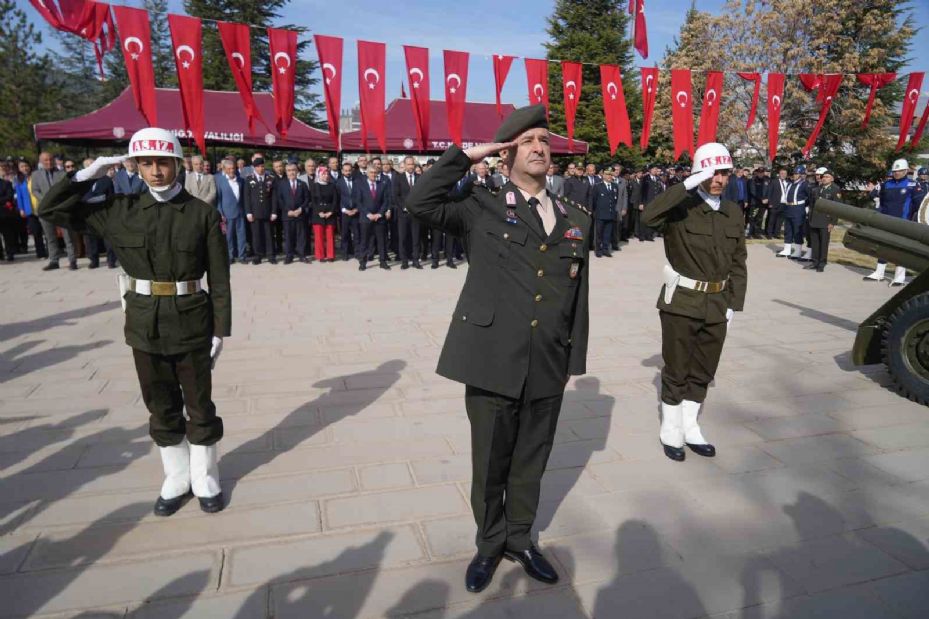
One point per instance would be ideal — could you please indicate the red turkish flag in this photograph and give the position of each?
(752, 77)
(682, 115)
(571, 77)
(371, 69)
(828, 89)
(641, 31)
(920, 128)
(456, 90)
(709, 112)
(775, 103)
(237, 45)
(417, 70)
(283, 44)
(812, 81)
(618, 129)
(330, 59)
(186, 36)
(910, 97)
(649, 94)
(501, 70)
(537, 78)
(876, 81)
(87, 19)
(136, 42)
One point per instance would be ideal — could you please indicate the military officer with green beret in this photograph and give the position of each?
(166, 241)
(519, 329)
(704, 283)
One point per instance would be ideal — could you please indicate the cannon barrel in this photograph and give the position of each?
(893, 239)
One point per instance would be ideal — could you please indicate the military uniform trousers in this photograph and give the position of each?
(604, 235)
(691, 349)
(172, 383)
(511, 440)
(819, 243)
(261, 238)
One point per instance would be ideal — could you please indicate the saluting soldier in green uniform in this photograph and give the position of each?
(166, 240)
(704, 283)
(519, 329)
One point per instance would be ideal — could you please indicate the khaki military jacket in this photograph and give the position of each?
(179, 240)
(701, 244)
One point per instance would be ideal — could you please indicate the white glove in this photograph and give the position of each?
(695, 179)
(215, 350)
(729, 315)
(98, 168)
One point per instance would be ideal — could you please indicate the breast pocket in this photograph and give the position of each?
(571, 262)
(506, 240)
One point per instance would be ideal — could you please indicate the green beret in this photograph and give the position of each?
(523, 119)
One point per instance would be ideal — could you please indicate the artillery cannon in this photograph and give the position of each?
(897, 334)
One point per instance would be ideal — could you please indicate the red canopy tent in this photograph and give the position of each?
(225, 123)
(480, 124)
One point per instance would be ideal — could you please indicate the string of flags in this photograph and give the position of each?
(94, 22)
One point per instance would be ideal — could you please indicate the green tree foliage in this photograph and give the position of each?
(216, 74)
(30, 90)
(593, 31)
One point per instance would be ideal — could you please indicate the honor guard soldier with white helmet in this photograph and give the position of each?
(704, 283)
(166, 241)
(519, 329)
(899, 197)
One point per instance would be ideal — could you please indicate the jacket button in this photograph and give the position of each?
(538, 298)
(464, 317)
(506, 235)
(541, 273)
(534, 323)
(543, 247)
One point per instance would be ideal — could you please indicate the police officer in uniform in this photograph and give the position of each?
(899, 197)
(821, 224)
(166, 241)
(798, 193)
(518, 332)
(704, 283)
(604, 204)
(259, 210)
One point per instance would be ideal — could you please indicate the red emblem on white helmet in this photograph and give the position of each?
(711, 156)
(155, 142)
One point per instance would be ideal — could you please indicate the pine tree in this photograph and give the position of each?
(260, 15)
(29, 90)
(77, 73)
(162, 54)
(592, 31)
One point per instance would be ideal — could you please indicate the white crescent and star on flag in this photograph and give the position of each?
(538, 91)
(457, 79)
(181, 49)
(282, 69)
(416, 71)
(377, 77)
(613, 90)
(327, 66)
(571, 85)
(129, 41)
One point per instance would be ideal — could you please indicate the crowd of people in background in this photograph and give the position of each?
(324, 210)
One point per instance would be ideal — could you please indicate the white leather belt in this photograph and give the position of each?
(148, 287)
(796, 203)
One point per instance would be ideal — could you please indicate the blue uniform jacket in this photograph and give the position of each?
(798, 191)
(898, 197)
(603, 201)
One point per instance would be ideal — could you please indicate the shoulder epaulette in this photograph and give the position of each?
(579, 207)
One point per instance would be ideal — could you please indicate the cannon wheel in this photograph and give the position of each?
(906, 348)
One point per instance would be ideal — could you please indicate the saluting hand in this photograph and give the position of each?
(480, 152)
(98, 168)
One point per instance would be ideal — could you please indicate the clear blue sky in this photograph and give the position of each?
(482, 27)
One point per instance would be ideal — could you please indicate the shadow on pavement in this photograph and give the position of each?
(15, 357)
(808, 312)
(68, 318)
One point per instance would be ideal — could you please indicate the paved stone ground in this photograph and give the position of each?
(346, 460)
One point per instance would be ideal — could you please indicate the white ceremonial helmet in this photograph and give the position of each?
(821, 171)
(900, 164)
(711, 155)
(155, 142)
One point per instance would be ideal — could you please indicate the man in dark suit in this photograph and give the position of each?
(407, 226)
(390, 229)
(349, 224)
(127, 180)
(576, 188)
(229, 197)
(777, 202)
(652, 187)
(292, 203)
(260, 211)
(43, 178)
(591, 177)
(604, 204)
(371, 199)
(519, 329)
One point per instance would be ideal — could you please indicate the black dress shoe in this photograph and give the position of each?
(452, 265)
(809, 267)
(272, 260)
(598, 254)
(435, 265)
(256, 260)
(51, 266)
(72, 266)
(534, 563)
(92, 265)
(675, 453)
(706, 450)
(288, 260)
(480, 572)
(232, 261)
(404, 266)
(608, 254)
(384, 266)
(167, 507)
(362, 266)
(417, 265)
(820, 268)
(212, 504)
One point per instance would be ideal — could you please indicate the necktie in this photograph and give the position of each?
(548, 182)
(410, 178)
(373, 190)
(293, 187)
(348, 181)
(534, 209)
